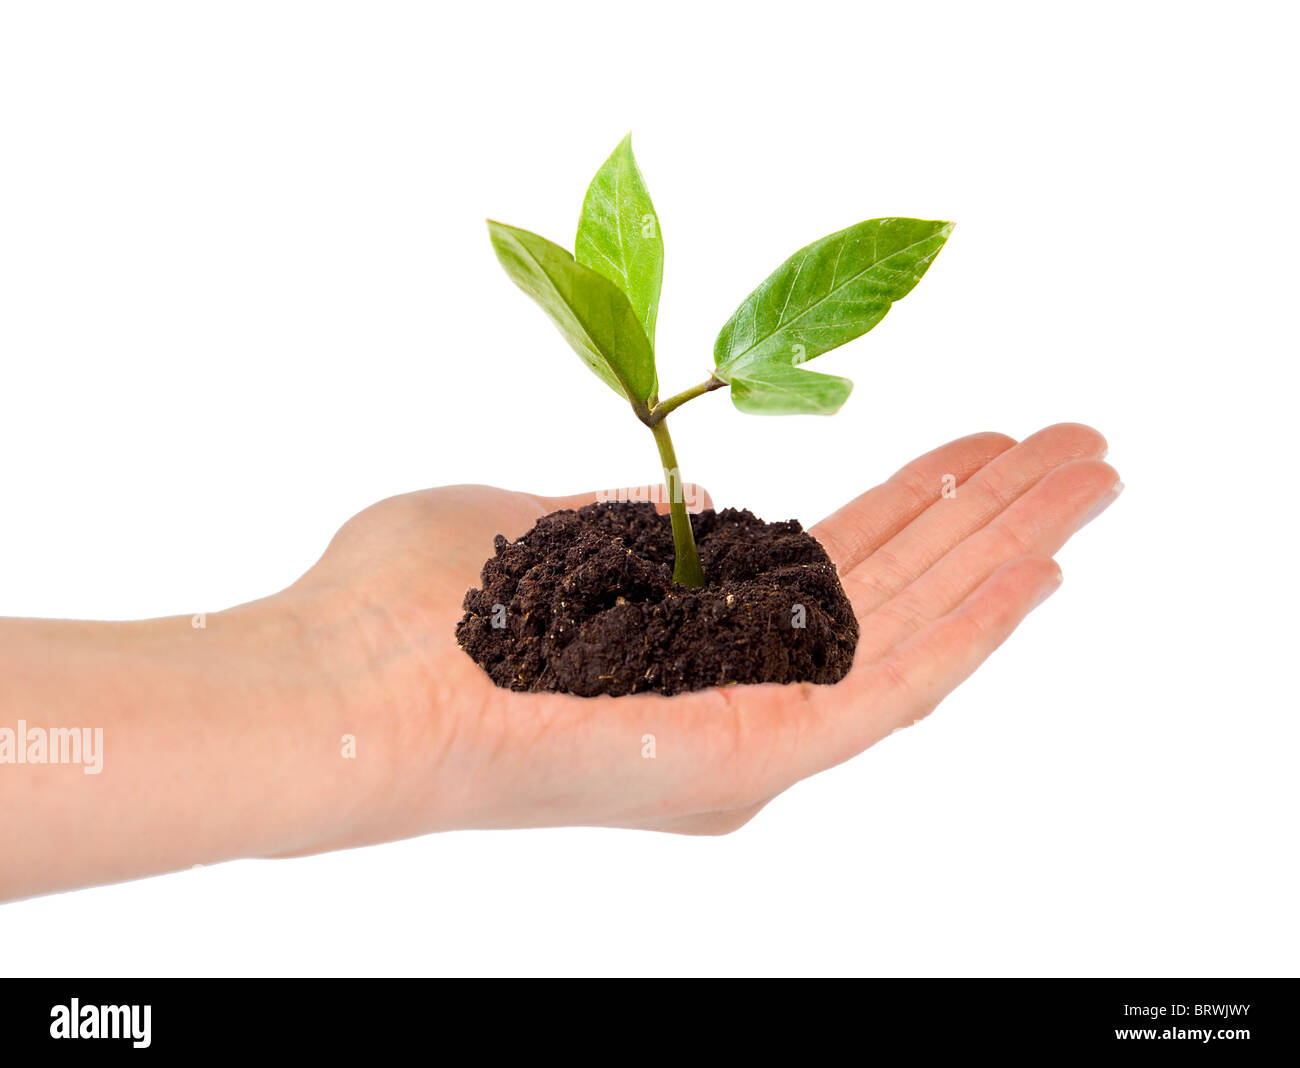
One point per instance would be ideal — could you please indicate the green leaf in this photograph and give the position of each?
(618, 234)
(592, 313)
(781, 389)
(826, 294)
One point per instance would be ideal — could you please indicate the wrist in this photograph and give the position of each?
(361, 712)
(294, 696)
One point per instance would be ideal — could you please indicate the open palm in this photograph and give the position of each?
(937, 579)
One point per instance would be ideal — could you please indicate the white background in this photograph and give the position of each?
(245, 290)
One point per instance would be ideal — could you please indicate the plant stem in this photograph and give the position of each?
(659, 410)
(686, 559)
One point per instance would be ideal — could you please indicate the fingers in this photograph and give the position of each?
(945, 523)
(867, 522)
(695, 497)
(906, 685)
(1038, 523)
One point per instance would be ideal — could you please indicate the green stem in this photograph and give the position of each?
(659, 410)
(686, 562)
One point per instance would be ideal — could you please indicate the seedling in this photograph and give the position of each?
(605, 299)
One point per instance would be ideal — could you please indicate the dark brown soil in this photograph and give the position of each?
(584, 603)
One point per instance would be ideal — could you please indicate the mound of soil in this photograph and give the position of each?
(584, 603)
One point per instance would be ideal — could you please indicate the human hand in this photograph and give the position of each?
(341, 712)
(937, 584)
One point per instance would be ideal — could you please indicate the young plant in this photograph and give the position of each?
(605, 300)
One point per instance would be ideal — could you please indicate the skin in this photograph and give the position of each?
(226, 741)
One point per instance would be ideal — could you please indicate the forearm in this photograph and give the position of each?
(197, 744)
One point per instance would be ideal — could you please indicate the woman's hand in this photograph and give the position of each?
(938, 582)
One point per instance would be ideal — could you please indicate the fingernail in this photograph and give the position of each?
(1048, 589)
(1101, 506)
